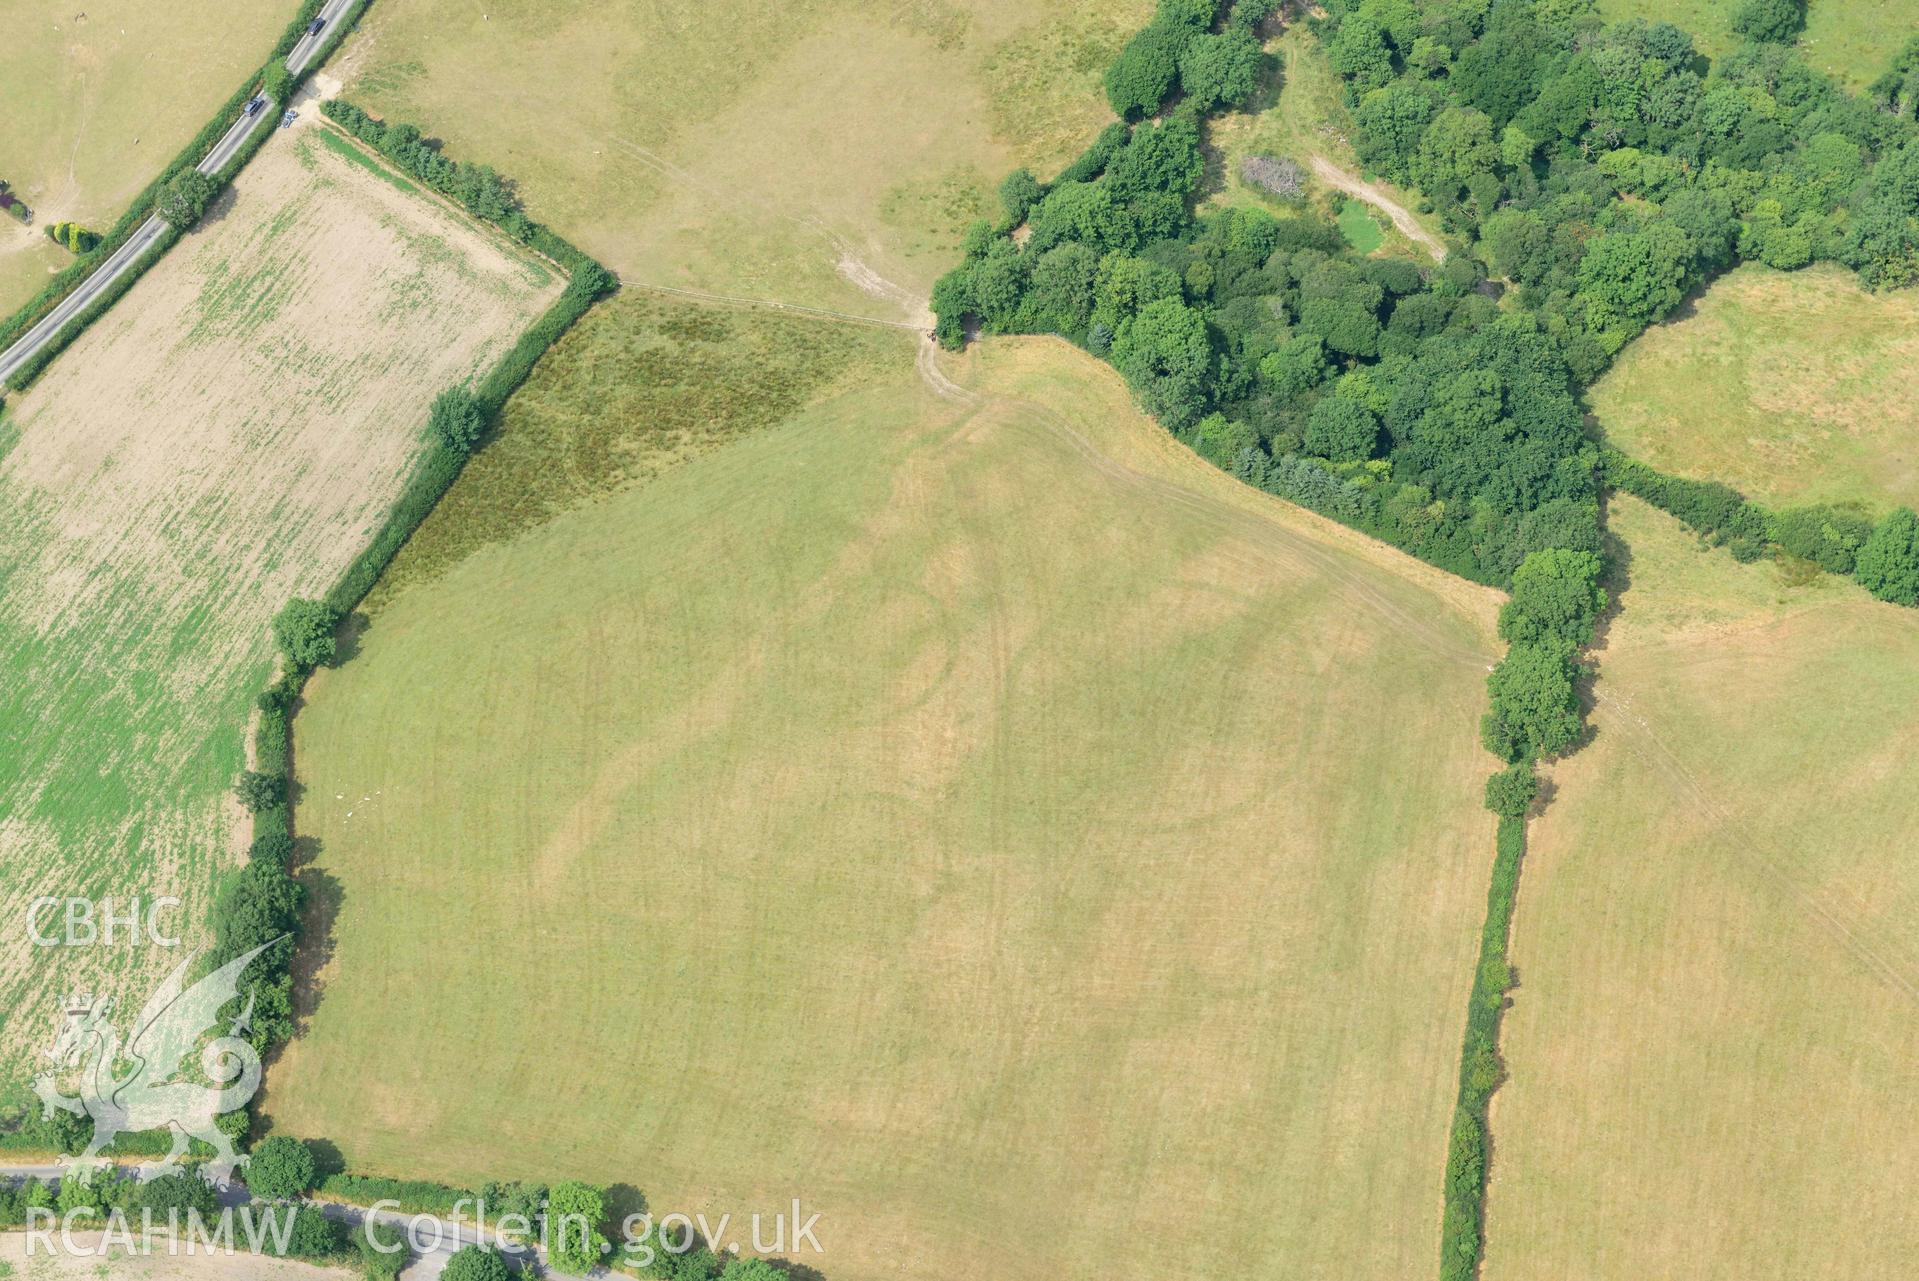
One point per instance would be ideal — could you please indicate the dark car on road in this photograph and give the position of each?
(254, 105)
(313, 28)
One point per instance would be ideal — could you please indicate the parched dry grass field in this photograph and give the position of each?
(1715, 1042)
(1851, 40)
(97, 97)
(830, 154)
(1793, 386)
(224, 439)
(981, 819)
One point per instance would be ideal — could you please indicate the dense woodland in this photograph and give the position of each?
(1591, 175)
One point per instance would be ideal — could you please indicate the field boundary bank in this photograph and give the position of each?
(143, 206)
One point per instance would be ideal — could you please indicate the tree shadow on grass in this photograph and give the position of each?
(799, 1271)
(1617, 583)
(217, 211)
(1542, 800)
(324, 897)
(314, 949)
(622, 1202)
(1270, 84)
(328, 1160)
(347, 638)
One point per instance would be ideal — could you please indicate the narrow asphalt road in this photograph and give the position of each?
(438, 1247)
(142, 240)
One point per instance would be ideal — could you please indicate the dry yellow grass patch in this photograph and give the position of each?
(225, 438)
(98, 96)
(978, 818)
(1794, 387)
(830, 154)
(1714, 1042)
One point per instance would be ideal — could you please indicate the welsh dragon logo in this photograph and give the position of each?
(146, 1096)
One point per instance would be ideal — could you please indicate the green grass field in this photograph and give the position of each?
(1794, 387)
(225, 438)
(1713, 1042)
(981, 819)
(1360, 227)
(97, 98)
(1850, 40)
(830, 155)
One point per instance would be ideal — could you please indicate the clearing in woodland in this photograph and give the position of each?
(973, 814)
(1301, 116)
(98, 97)
(1714, 1038)
(1851, 40)
(1794, 387)
(224, 439)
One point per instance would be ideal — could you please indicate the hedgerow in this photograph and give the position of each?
(1719, 512)
(1481, 1069)
(412, 1196)
(1589, 165)
(261, 902)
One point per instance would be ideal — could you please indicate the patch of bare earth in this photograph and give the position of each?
(1376, 196)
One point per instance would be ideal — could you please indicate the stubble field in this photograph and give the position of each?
(988, 823)
(224, 439)
(98, 97)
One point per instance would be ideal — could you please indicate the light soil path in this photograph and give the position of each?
(1376, 196)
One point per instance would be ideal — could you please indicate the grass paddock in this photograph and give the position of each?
(1794, 387)
(1713, 1040)
(982, 820)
